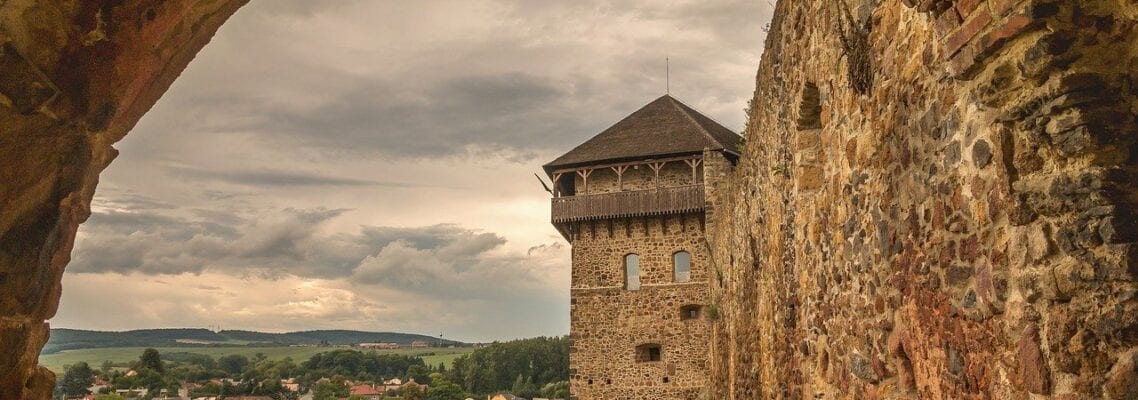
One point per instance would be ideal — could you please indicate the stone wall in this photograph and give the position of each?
(935, 200)
(75, 76)
(608, 322)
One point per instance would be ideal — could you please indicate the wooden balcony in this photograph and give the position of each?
(663, 201)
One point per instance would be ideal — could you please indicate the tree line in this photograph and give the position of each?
(527, 368)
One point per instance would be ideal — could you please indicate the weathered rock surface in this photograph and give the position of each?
(74, 78)
(936, 201)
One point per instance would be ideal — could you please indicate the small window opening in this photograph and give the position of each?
(608, 381)
(690, 311)
(810, 109)
(666, 379)
(632, 272)
(648, 352)
(681, 262)
(590, 381)
(567, 185)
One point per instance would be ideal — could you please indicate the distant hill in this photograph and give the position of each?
(68, 339)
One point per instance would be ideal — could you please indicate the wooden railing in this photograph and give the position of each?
(667, 200)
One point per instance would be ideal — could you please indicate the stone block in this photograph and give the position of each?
(965, 7)
(981, 154)
(809, 177)
(1004, 31)
(1034, 374)
(947, 22)
(968, 31)
(1001, 8)
(1122, 380)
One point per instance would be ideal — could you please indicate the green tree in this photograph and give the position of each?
(412, 393)
(556, 390)
(109, 396)
(524, 387)
(420, 374)
(445, 391)
(233, 363)
(76, 379)
(329, 391)
(151, 360)
(521, 363)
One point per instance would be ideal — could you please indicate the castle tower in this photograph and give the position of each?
(633, 202)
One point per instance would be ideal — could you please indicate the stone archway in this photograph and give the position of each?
(75, 77)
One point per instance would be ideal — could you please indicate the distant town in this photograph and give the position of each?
(325, 369)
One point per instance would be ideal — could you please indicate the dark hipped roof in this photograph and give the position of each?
(664, 127)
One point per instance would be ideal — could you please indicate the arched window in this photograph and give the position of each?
(632, 272)
(681, 266)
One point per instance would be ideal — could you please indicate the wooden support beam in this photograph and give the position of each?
(656, 167)
(584, 174)
(619, 169)
(694, 164)
(632, 163)
(557, 184)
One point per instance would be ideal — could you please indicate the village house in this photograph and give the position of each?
(367, 392)
(392, 384)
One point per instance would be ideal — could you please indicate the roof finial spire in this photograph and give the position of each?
(667, 76)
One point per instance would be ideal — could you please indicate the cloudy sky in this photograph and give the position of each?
(368, 165)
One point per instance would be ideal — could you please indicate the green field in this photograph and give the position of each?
(122, 355)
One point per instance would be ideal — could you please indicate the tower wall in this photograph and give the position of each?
(609, 322)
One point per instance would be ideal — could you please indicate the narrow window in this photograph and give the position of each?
(690, 311)
(810, 109)
(632, 272)
(681, 263)
(648, 352)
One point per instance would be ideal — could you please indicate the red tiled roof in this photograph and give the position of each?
(364, 390)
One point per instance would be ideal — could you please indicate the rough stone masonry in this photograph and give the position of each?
(936, 199)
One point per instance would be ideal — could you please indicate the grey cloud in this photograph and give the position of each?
(153, 243)
(300, 8)
(500, 98)
(442, 259)
(545, 248)
(463, 269)
(505, 113)
(275, 178)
